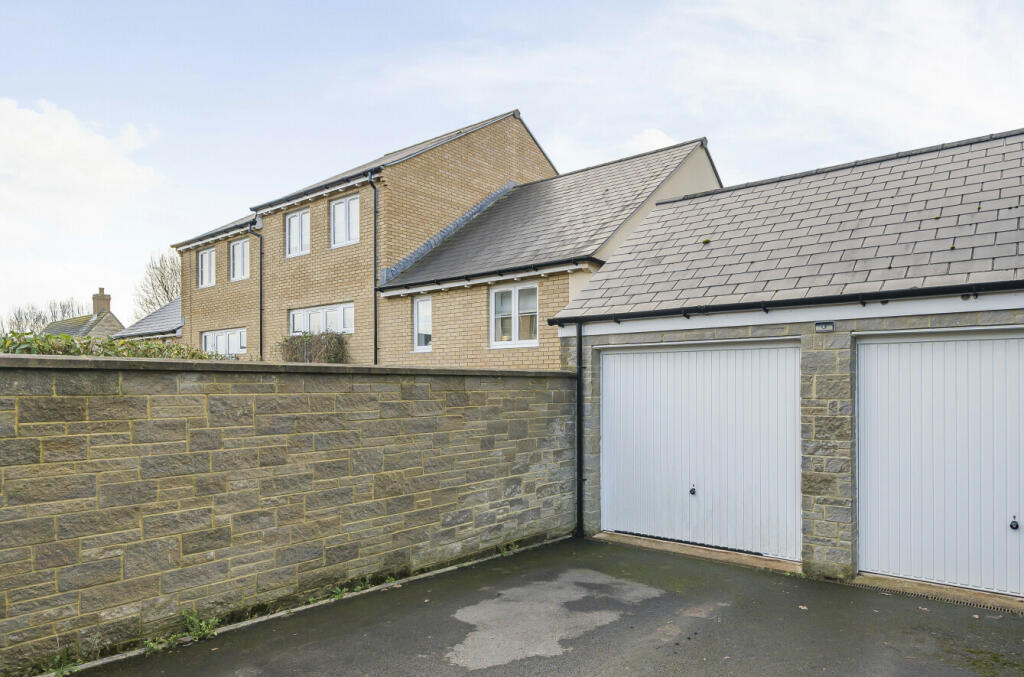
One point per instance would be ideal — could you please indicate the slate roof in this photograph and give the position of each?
(548, 221)
(219, 230)
(165, 320)
(925, 219)
(75, 326)
(391, 158)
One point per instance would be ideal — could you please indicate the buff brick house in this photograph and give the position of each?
(307, 261)
(478, 292)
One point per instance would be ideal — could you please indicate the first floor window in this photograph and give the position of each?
(239, 260)
(514, 316)
(224, 341)
(207, 267)
(345, 221)
(338, 318)
(297, 233)
(421, 320)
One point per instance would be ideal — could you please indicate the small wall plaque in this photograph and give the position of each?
(824, 327)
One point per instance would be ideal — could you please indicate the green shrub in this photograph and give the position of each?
(62, 344)
(329, 346)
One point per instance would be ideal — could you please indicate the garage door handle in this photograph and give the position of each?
(693, 492)
(1013, 524)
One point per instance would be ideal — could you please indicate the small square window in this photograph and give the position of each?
(514, 316)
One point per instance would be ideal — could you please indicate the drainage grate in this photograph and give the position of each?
(936, 598)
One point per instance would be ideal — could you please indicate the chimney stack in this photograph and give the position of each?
(100, 303)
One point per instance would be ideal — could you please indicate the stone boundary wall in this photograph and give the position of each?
(136, 489)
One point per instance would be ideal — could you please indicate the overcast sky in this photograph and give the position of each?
(126, 126)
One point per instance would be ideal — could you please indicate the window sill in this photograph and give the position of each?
(339, 245)
(239, 279)
(295, 256)
(506, 346)
(422, 350)
(206, 286)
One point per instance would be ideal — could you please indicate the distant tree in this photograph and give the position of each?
(30, 317)
(161, 283)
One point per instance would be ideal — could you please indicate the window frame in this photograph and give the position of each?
(304, 313)
(515, 342)
(347, 226)
(288, 254)
(226, 333)
(231, 259)
(416, 347)
(212, 252)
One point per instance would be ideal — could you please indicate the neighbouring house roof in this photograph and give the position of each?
(79, 326)
(930, 220)
(237, 224)
(161, 322)
(391, 158)
(552, 220)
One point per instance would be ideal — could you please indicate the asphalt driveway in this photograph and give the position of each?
(592, 608)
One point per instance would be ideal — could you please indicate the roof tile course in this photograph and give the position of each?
(556, 219)
(940, 216)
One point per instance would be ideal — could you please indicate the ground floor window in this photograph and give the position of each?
(224, 341)
(422, 320)
(339, 317)
(514, 316)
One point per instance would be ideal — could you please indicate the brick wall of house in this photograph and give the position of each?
(226, 305)
(827, 416)
(424, 194)
(416, 199)
(461, 324)
(133, 491)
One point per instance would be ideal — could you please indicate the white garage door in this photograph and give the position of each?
(703, 445)
(939, 456)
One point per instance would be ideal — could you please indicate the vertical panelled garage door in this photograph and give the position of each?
(702, 445)
(939, 459)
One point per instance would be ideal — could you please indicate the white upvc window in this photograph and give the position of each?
(345, 221)
(239, 259)
(514, 316)
(224, 341)
(207, 260)
(339, 317)
(296, 227)
(421, 324)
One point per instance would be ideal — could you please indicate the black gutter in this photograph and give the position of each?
(260, 238)
(525, 268)
(580, 479)
(766, 306)
(369, 178)
(298, 195)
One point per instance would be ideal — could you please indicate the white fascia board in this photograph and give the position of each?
(215, 238)
(843, 311)
(487, 279)
(313, 196)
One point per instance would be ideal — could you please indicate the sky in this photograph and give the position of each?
(128, 126)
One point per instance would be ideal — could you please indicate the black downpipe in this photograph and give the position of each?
(580, 479)
(369, 178)
(260, 238)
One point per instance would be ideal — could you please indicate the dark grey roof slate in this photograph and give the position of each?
(219, 230)
(934, 217)
(556, 219)
(165, 320)
(391, 158)
(74, 326)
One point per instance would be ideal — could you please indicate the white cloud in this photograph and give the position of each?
(71, 197)
(776, 87)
